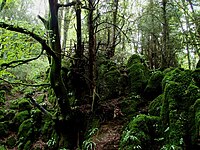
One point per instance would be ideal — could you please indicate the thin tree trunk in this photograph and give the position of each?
(92, 52)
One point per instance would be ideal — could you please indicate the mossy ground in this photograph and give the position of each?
(140, 110)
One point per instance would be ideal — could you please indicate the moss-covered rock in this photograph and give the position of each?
(27, 146)
(2, 97)
(23, 104)
(138, 74)
(2, 147)
(20, 117)
(155, 106)
(178, 75)
(111, 80)
(25, 134)
(13, 104)
(3, 128)
(180, 93)
(196, 76)
(154, 86)
(2, 111)
(129, 105)
(11, 141)
(140, 133)
(9, 115)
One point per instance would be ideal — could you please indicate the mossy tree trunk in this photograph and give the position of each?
(55, 73)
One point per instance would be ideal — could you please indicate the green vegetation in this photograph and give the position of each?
(96, 75)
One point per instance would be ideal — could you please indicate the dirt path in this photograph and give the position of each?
(108, 136)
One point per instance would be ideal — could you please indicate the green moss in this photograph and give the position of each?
(139, 133)
(155, 106)
(129, 105)
(178, 114)
(2, 97)
(178, 75)
(196, 76)
(11, 141)
(2, 147)
(36, 114)
(3, 128)
(26, 129)
(27, 146)
(21, 116)
(2, 111)
(13, 104)
(24, 104)
(154, 87)
(9, 115)
(134, 59)
(138, 77)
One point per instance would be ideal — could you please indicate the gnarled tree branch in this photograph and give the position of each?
(16, 63)
(42, 41)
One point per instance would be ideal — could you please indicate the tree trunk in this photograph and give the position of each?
(55, 72)
(164, 62)
(115, 11)
(92, 51)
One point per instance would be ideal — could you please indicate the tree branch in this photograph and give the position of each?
(16, 63)
(34, 102)
(67, 5)
(25, 84)
(18, 29)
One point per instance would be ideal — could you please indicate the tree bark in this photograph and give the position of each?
(55, 72)
(92, 51)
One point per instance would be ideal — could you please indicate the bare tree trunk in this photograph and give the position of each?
(164, 61)
(92, 51)
(116, 3)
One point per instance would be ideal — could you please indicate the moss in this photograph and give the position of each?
(138, 76)
(2, 111)
(195, 122)
(21, 116)
(178, 75)
(9, 115)
(24, 104)
(3, 128)
(112, 86)
(47, 129)
(25, 131)
(196, 76)
(11, 141)
(155, 106)
(139, 133)
(154, 87)
(27, 146)
(2, 147)
(2, 97)
(129, 105)
(177, 112)
(13, 104)
(36, 114)
(134, 59)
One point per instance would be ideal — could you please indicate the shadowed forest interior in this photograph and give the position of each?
(99, 74)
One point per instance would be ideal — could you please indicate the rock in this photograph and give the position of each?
(11, 141)
(23, 105)
(139, 133)
(155, 106)
(20, 117)
(138, 74)
(154, 86)
(3, 128)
